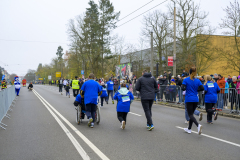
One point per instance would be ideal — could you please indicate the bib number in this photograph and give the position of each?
(210, 85)
(125, 99)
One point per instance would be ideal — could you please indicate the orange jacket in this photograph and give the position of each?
(221, 83)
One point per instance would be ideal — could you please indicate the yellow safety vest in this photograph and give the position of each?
(4, 85)
(75, 84)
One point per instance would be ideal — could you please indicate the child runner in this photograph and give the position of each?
(124, 98)
(67, 88)
(104, 94)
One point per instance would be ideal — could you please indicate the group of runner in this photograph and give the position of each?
(90, 90)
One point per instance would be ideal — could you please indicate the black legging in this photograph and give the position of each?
(209, 111)
(191, 107)
(122, 116)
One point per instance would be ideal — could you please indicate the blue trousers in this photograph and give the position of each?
(17, 91)
(91, 110)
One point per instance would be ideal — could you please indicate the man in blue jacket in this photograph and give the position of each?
(110, 89)
(91, 90)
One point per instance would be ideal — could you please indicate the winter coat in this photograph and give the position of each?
(147, 87)
(172, 87)
(124, 98)
(238, 87)
(221, 84)
(163, 82)
(169, 76)
(104, 91)
(167, 90)
(229, 80)
(226, 86)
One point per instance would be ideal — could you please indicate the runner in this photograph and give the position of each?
(147, 87)
(211, 89)
(60, 85)
(75, 86)
(192, 86)
(91, 90)
(104, 94)
(110, 89)
(124, 98)
(67, 88)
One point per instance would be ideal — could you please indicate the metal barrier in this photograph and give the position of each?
(6, 98)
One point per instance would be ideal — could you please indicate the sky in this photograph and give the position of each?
(32, 30)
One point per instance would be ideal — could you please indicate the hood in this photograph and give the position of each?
(147, 75)
(123, 91)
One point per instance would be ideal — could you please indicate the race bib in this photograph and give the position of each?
(104, 89)
(210, 85)
(111, 82)
(125, 98)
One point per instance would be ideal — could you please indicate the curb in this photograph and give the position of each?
(183, 107)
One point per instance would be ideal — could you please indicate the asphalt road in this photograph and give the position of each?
(42, 126)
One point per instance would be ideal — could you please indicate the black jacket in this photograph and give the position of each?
(147, 86)
(30, 85)
(179, 82)
(170, 77)
(163, 82)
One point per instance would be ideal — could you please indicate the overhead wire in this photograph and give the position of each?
(136, 10)
(141, 14)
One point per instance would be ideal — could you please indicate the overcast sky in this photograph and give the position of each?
(31, 30)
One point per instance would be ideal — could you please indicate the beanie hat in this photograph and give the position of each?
(173, 80)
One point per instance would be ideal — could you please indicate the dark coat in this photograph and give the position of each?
(170, 77)
(147, 86)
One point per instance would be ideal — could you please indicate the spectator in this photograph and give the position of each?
(163, 83)
(165, 73)
(184, 74)
(169, 76)
(215, 77)
(172, 89)
(225, 98)
(229, 80)
(167, 93)
(221, 84)
(232, 92)
(179, 84)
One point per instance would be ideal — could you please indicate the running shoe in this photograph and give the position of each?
(112, 101)
(151, 127)
(187, 130)
(107, 102)
(147, 125)
(200, 116)
(199, 129)
(209, 122)
(92, 124)
(215, 116)
(123, 124)
(89, 122)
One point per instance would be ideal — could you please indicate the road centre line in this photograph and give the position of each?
(135, 114)
(87, 141)
(70, 136)
(218, 139)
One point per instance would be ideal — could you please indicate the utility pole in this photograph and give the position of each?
(174, 43)
(151, 61)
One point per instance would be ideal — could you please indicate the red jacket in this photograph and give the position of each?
(221, 84)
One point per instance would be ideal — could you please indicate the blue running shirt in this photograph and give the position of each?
(191, 89)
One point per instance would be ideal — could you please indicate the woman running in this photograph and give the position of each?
(211, 89)
(192, 87)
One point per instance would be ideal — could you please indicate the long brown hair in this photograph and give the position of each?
(193, 72)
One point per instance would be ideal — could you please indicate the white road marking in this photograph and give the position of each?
(87, 141)
(218, 139)
(135, 114)
(70, 136)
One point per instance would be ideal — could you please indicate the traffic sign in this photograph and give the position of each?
(49, 77)
(82, 72)
(3, 77)
(40, 78)
(58, 74)
(170, 61)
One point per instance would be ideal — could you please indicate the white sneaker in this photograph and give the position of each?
(187, 130)
(186, 122)
(200, 116)
(199, 129)
(123, 124)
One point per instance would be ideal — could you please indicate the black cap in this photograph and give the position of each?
(76, 76)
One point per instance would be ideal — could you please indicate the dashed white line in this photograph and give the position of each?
(135, 114)
(218, 139)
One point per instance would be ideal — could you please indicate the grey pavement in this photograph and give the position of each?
(33, 133)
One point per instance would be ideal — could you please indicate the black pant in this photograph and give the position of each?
(147, 107)
(122, 116)
(225, 99)
(91, 110)
(209, 111)
(162, 92)
(102, 99)
(75, 92)
(60, 87)
(191, 107)
(110, 92)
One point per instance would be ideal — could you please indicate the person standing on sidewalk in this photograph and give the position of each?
(192, 85)
(147, 86)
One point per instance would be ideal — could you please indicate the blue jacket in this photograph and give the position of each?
(104, 91)
(120, 87)
(124, 98)
(79, 98)
(110, 85)
(226, 86)
(172, 88)
(212, 89)
(91, 89)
